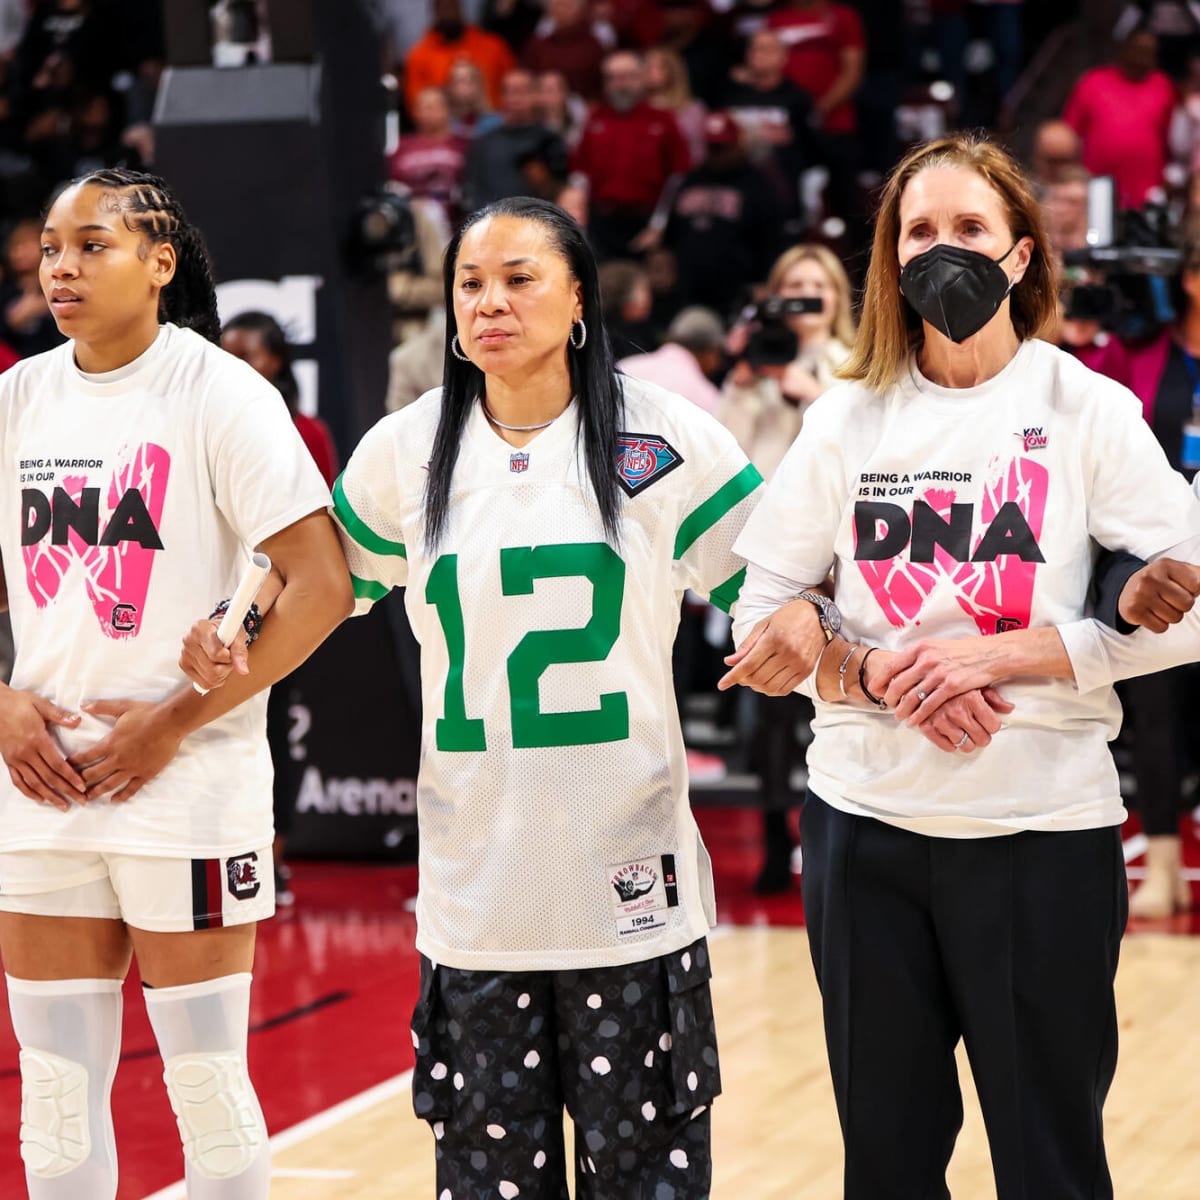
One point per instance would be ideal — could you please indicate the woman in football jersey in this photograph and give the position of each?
(544, 515)
(958, 487)
(135, 818)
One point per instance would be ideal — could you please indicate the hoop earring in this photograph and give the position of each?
(456, 351)
(578, 345)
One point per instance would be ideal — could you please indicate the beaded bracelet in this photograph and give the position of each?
(862, 681)
(252, 624)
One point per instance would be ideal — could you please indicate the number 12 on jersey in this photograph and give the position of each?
(520, 568)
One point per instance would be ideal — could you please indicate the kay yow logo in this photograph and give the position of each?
(1034, 437)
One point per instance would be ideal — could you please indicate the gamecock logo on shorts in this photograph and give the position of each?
(242, 873)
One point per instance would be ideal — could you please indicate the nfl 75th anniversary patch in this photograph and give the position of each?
(642, 458)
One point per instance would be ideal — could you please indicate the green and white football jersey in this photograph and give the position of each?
(553, 793)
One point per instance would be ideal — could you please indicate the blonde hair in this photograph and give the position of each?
(843, 317)
(889, 330)
(679, 87)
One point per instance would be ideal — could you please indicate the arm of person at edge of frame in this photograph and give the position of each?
(783, 650)
(1132, 594)
(315, 598)
(1087, 652)
(35, 761)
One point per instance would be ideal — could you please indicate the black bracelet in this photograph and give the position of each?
(862, 680)
(252, 623)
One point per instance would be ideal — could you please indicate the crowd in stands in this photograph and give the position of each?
(77, 85)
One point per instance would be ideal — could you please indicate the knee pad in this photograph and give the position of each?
(219, 1119)
(55, 1138)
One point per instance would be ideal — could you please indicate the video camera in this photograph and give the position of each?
(1132, 253)
(772, 343)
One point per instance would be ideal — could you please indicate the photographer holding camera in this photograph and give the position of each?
(787, 349)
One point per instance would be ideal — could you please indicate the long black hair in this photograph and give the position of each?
(594, 380)
(275, 342)
(150, 208)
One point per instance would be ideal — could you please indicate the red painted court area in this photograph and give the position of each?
(335, 982)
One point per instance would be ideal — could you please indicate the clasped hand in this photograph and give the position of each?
(140, 743)
(958, 711)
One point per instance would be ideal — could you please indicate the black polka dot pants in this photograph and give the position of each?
(630, 1051)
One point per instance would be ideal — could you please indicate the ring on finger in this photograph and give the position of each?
(962, 741)
(922, 695)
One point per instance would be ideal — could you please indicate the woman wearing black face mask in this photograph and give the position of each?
(956, 490)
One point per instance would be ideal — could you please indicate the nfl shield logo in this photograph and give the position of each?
(518, 462)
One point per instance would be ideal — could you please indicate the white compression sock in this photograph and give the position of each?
(70, 1036)
(201, 1030)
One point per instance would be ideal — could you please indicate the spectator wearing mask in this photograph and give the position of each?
(826, 53)
(569, 46)
(668, 88)
(520, 157)
(451, 38)
(430, 161)
(1122, 113)
(775, 117)
(724, 222)
(630, 159)
(688, 360)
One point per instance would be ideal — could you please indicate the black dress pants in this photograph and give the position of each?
(1009, 943)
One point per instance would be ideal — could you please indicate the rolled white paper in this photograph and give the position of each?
(257, 569)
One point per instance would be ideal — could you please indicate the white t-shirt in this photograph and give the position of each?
(957, 512)
(133, 500)
(553, 790)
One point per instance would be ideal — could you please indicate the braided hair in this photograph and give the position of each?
(150, 208)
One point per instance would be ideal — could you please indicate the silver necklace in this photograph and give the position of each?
(487, 412)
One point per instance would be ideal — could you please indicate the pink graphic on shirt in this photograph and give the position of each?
(113, 536)
(994, 584)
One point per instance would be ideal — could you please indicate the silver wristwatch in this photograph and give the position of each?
(827, 613)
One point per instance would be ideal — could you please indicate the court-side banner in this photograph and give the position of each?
(355, 745)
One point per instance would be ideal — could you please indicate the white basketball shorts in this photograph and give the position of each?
(167, 895)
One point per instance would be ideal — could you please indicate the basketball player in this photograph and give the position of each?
(564, 890)
(135, 817)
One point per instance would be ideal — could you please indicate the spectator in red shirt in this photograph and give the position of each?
(826, 53)
(449, 39)
(825, 56)
(569, 46)
(1122, 113)
(430, 161)
(630, 159)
